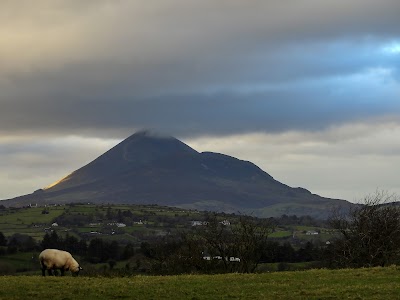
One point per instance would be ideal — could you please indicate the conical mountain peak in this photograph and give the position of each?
(146, 146)
(143, 148)
(152, 168)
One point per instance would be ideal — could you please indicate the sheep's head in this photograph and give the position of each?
(75, 271)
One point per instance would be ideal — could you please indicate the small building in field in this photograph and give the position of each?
(312, 232)
(199, 223)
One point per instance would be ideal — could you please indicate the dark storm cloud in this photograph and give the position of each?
(194, 67)
(196, 114)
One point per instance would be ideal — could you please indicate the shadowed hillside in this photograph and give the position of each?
(151, 169)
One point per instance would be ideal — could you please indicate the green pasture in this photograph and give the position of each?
(158, 220)
(306, 228)
(28, 216)
(22, 220)
(21, 262)
(374, 283)
(280, 234)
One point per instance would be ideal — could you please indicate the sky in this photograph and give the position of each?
(306, 89)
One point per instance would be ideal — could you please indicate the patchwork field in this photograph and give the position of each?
(92, 219)
(135, 225)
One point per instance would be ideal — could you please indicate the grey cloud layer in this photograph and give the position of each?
(196, 114)
(192, 67)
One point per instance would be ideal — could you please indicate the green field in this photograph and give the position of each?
(32, 221)
(374, 283)
(280, 234)
(157, 219)
(86, 222)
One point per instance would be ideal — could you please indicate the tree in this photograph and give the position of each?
(96, 251)
(217, 240)
(3, 240)
(112, 250)
(163, 255)
(120, 217)
(308, 253)
(250, 238)
(71, 244)
(22, 242)
(112, 264)
(81, 247)
(129, 251)
(244, 239)
(285, 253)
(109, 213)
(51, 241)
(369, 233)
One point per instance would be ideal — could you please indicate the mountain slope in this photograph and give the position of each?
(151, 169)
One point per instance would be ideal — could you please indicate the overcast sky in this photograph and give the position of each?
(306, 89)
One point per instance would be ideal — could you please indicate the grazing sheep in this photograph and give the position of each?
(53, 259)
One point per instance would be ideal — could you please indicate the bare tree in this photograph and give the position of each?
(218, 240)
(250, 236)
(243, 240)
(215, 246)
(369, 233)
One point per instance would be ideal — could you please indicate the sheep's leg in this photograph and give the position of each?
(49, 272)
(62, 272)
(43, 268)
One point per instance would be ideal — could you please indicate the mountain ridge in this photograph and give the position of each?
(148, 168)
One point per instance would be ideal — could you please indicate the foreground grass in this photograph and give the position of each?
(374, 283)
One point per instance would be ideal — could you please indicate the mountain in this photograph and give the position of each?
(147, 168)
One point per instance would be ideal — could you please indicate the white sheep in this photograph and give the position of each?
(53, 259)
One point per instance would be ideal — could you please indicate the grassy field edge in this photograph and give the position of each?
(369, 283)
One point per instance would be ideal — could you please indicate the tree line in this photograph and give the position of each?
(367, 235)
(214, 248)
